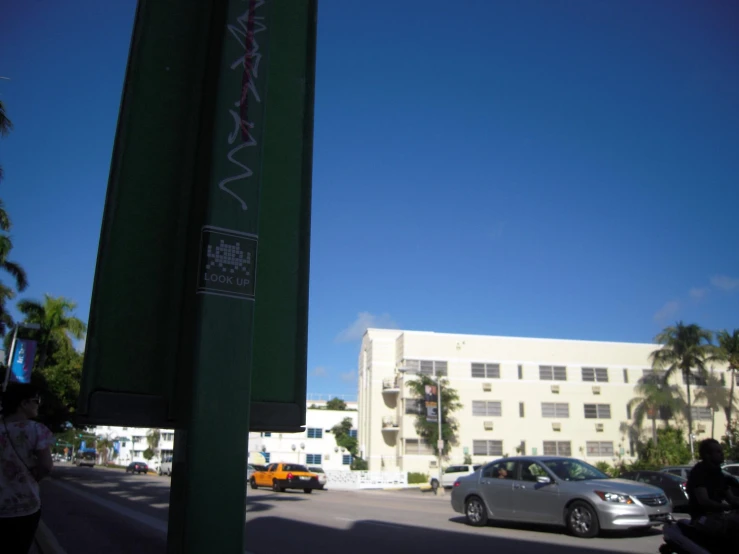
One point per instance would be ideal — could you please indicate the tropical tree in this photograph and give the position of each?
(336, 404)
(715, 396)
(656, 400)
(429, 431)
(56, 322)
(104, 446)
(728, 352)
(5, 127)
(152, 439)
(14, 269)
(686, 349)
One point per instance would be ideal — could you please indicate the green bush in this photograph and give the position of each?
(417, 477)
(605, 467)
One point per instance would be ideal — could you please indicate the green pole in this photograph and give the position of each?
(208, 498)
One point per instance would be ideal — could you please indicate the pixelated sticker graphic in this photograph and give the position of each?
(229, 258)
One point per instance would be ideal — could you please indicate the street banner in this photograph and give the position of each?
(432, 403)
(22, 363)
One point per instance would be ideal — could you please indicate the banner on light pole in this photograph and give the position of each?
(22, 363)
(432, 403)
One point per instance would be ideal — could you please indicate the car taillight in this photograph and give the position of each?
(289, 476)
(457, 483)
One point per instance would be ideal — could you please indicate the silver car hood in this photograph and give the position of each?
(623, 486)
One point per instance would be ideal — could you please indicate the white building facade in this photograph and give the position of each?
(518, 395)
(130, 443)
(316, 446)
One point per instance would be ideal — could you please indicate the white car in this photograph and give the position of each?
(165, 467)
(451, 474)
(322, 479)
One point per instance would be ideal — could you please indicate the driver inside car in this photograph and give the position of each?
(710, 495)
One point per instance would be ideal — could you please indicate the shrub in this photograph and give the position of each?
(417, 477)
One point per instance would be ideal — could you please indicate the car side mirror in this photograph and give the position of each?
(543, 479)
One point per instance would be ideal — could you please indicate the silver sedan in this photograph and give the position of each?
(559, 491)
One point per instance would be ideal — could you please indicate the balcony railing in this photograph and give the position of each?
(391, 385)
(389, 424)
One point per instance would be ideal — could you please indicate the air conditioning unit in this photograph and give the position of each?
(555, 389)
(596, 389)
(599, 427)
(701, 428)
(487, 387)
(488, 425)
(556, 426)
(432, 463)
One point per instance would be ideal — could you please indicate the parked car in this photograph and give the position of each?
(321, 476)
(557, 491)
(674, 486)
(285, 476)
(731, 468)
(137, 467)
(680, 471)
(250, 469)
(451, 474)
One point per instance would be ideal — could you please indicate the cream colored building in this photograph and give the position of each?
(519, 395)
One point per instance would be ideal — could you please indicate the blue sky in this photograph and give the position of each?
(533, 168)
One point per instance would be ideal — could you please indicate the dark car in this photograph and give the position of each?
(137, 467)
(674, 486)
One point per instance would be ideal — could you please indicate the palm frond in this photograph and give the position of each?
(18, 273)
(5, 124)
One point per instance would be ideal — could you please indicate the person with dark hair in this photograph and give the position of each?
(710, 496)
(25, 459)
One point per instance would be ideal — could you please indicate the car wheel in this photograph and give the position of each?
(275, 486)
(476, 512)
(434, 485)
(253, 483)
(582, 521)
(307, 491)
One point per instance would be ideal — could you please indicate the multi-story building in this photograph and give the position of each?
(130, 443)
(314, 446)
(518, 395)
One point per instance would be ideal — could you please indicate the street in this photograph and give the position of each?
(103, 510)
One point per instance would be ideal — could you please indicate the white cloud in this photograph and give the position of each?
(320, 371)
(724, 282)
(364, 321)
(697, 293)
(349, 376)
(667, 311)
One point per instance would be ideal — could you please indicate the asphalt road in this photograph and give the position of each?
(100, 510)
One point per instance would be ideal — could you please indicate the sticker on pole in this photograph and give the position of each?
(227, 263)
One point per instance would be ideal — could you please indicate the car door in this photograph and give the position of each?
(496, 488)
(533, 501)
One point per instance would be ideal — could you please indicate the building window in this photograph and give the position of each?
(265, 455)
(486, 371)
(628, 411)
(427, 367)
(595, 374)
(521, 411)
(313, 459)
(653, 376)
(123, 444)
(346, 460)
(353, 433)
(599, 449)
(490, 408)
(416, 446)
(552, 373)
(487, 448)
(697, 380)
(557, 448)
(555, 409)
(597, 411)
(626, 375)
(701, 413)
(266, 434)
(413, 406)
(167, 436)
(520, 371)
(315, 433)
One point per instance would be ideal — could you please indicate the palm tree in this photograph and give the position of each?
(685, 349)
(450, 403)
(14, 269)
(656, 400)
(104, 446)
(152, 439)
(728, 352)
(716, 397)
(55, 321)
(5, 127)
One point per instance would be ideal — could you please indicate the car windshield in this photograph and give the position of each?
(569, 469)
(295, 467)
(316, 469)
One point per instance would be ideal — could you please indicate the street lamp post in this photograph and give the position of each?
(12, 349)
(440, 442)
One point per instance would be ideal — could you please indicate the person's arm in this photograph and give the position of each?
(731, 498)
(701, 495)
(44, 463)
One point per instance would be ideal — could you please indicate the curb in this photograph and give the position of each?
(45, 542)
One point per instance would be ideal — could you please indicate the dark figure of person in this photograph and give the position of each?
(25, 459)
(710, 495)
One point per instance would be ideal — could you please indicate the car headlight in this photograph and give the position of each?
(614, 497)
